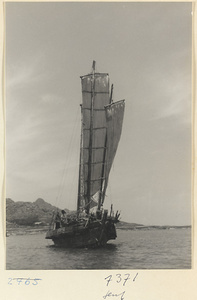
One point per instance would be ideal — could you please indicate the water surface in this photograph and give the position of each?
(133, 249)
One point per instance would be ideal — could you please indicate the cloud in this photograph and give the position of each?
(50, 98)
(20, 75)
(23, 72)
(179, 107)
(171, 95)
(177, 103)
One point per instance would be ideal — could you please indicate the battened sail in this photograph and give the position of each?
(100, 134)
(114, 121)
(95, 96)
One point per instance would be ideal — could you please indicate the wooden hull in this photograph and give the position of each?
(95, 234)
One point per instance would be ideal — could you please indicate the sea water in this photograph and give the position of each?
(133, 249)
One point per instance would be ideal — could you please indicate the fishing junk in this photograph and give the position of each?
(101, 126)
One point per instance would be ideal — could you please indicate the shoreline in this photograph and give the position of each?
(23, 230)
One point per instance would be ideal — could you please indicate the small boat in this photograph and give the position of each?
(101, 125)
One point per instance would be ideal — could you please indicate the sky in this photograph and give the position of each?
(146, 49)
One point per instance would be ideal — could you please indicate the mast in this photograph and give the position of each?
(91, 136)
(80, 165)
(111, 95)
(102, 193)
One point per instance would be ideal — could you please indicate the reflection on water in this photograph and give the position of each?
(133, 249)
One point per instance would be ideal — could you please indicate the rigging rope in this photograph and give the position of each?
(68, 160)
(73, 187)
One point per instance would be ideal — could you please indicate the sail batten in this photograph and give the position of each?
(95, 128)
(98, 179)
(95, 92)
(95, 162)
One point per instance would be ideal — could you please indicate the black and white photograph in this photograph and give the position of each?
(98, 136)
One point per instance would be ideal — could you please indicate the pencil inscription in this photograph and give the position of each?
(110, 294)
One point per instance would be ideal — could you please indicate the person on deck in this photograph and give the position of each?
(57, 220)
(64, 217)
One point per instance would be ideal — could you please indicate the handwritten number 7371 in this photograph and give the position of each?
(118, 278)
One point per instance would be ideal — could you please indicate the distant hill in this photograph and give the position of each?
(27, 213)
(131, 226)
(126, 225)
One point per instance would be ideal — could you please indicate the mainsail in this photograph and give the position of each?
(100, 134)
